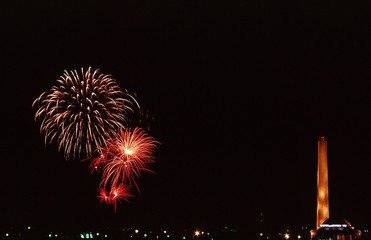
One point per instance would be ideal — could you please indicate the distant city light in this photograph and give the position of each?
(86, 235)
(195, 234)
(333, 225)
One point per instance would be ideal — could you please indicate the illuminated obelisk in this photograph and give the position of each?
(322, 183)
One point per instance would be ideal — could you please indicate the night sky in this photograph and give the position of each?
(239, 92)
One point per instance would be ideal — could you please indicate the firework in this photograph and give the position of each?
(124, 158)
(82, 111)
(117, 193)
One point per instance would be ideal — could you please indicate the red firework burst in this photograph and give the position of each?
(116, 194)
(124, 158)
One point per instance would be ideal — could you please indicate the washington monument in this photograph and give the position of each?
(322, 183)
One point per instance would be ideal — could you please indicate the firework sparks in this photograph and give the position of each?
(82, 111)
(125, 157)
(117, 194)
(89, 114)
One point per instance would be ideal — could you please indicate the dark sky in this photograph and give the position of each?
(239, 91)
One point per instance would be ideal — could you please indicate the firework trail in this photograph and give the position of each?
(124, 158)
(82, 111)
